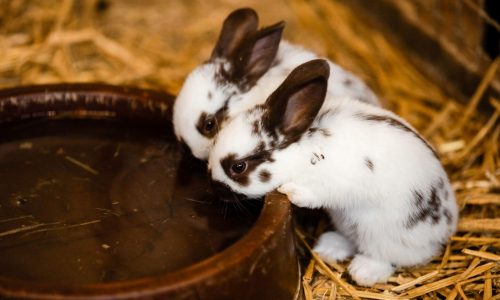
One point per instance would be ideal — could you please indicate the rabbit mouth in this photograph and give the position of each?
(225, 193)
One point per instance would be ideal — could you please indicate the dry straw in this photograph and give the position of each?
(155, 43)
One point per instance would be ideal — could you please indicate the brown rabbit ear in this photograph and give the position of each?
(237, 27)
(292, 108)
(263, 50)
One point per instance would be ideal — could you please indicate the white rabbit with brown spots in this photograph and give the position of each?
(246, 65)
(383, 185)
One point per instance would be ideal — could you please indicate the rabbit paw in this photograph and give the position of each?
(333, 247)
(367, 271)
(299, 196)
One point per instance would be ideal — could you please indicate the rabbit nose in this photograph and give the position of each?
(225, 193)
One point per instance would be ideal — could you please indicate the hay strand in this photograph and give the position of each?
(483, 254)
(415, 281)
(344, 285)
(81, 165)
(474, 101)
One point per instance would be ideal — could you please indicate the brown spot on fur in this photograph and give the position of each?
(312, 130)
(422, 212)
(434, 205)
(397, 124)
(252, 161)
(255, 127)
(419, 198)
(264, 176)
(425, 208)
(221, 114)
(218, 118)
(323, 131)
(316, 158)
(369, 164)
(260, 148)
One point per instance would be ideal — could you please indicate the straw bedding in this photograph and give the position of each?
(154, 44)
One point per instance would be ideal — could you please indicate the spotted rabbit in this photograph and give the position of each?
(383, 185)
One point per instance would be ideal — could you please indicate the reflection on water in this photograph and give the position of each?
(95, 201)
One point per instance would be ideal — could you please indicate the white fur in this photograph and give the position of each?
(193, 99)
(333, 247)
(368, 207)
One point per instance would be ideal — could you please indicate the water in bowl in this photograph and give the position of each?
(98, 201)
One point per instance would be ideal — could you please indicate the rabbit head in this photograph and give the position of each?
(249, 153)
(240, 58)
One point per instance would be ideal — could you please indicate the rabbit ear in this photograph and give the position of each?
(262, 53)
(237, 27)
(292, 108)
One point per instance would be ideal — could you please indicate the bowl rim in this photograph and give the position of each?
(276, 209)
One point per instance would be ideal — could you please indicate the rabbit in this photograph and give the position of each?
(246, 65)
(388, 195)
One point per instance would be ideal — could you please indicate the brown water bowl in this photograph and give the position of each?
(98, 201)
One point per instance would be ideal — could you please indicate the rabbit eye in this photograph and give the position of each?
(209, 124)
(239, 167)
